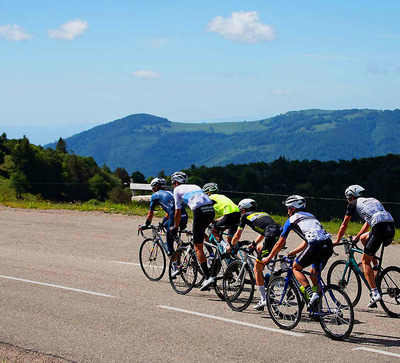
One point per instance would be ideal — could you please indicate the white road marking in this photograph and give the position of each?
(232, 321)
(137, 264)
(378, 351)
(57, 286)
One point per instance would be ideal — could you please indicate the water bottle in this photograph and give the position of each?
(267, 277)
(210, 260)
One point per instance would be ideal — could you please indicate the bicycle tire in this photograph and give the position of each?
(351, 283)
(333, 306)
(238, 290)
(285, 314)
(184, 281)
(152, 259)
(217, 271)
(389, 287)
(200, 273)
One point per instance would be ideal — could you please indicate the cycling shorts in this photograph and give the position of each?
(271, 237)
(380, 233)
(316, 254)
(202, 217)
(230, 221)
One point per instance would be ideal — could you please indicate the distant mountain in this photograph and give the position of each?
(148, 143)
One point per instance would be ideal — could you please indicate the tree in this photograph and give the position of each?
(61, 146)
(122, 174)
(138, 177)
(19, 182)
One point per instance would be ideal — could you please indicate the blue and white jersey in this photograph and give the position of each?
(192, 195)
(165, 199)
(306, 226)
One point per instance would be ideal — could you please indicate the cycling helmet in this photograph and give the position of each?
(354, 191)
(210, 187)
(180, 177)
(296, 201)
(247, 204)
(158, 182)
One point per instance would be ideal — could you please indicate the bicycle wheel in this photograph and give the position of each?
(183, 270)
(336, 313)
(389, 286)
(349, 282)
(152, 259)
(238, 286)
(217, 271)
(284, 303)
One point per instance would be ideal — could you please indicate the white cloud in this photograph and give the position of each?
(146, 74)
(69, 30)
(13, 33)
(243, 27)
(281, 92)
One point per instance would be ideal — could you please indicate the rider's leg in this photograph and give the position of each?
(368, 272)
(364, 239)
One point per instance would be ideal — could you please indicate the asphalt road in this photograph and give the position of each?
(71, 289)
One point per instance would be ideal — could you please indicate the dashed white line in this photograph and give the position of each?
(377, 351)
(56, 286)
(127, 263)
(231, 321)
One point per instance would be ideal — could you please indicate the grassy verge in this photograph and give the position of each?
(141, 209)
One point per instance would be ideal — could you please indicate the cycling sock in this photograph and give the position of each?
(205, 269)
(375, 291)
(262, 292)
(309, 290)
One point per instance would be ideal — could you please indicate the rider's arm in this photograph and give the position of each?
(236, 236)
(301, 247)
(342, 229)
(363, 229)
(177, 218)
(278, 246)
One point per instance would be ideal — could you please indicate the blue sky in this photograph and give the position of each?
(66, 66)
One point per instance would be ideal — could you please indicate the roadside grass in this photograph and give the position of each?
(141, 209)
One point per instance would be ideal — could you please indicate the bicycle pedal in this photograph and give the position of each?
(374, 306)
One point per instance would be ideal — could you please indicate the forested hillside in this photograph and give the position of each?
(149, 144)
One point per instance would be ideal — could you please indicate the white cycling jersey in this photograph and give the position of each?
(192, 195)
(370, 210)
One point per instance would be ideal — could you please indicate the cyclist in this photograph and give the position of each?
(382, 231)
(222, 205)
(203, 214)
(165, 199)
(268, 231)
(315, 250)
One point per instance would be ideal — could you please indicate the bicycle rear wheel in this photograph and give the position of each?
(284, 303)
(152, 259)
(217, 271)
(349, 281)
(238, 286)
(183, 270)
(336, 313)
(389, 286)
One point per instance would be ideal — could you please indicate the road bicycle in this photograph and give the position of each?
(185, 272)
(286, 301)
(153, 251)
(348, 275)
(239, 280)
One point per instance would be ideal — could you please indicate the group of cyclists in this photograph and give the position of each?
(314, 251)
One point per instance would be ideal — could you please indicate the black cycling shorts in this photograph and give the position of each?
(271, 237)
(317, 254)
(230, 221)
(202, 217)
(380, 233)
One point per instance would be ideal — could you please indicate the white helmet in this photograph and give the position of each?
(296, 201)
(180, 177)
(247, 204)
(158, 182)
(354, 191)
(210, 187)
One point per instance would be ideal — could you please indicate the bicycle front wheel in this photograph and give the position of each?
(152, 259)
(336, 313)
(284, 303)
(182, 270)
(238, 286)
(389, 287)
(347, 279)
(217, 271)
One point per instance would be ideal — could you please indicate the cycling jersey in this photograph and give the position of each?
(192, 195)
(306, 226)
(223, 205)
(370, 210)
(165, 199)
(258, 221)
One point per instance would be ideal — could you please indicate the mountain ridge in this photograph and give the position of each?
(150, 143)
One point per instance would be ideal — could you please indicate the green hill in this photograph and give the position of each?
(149, 143)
